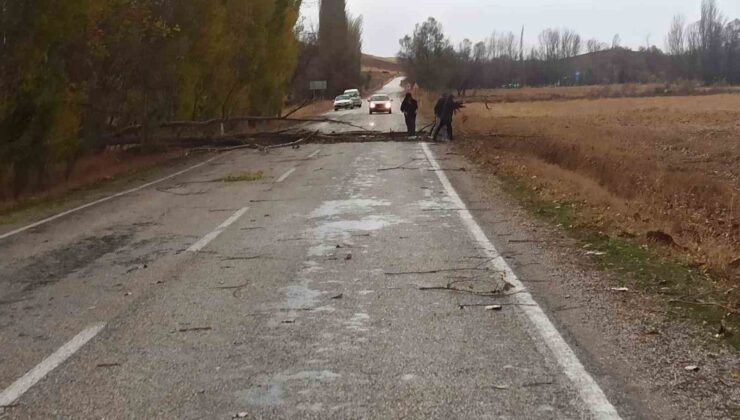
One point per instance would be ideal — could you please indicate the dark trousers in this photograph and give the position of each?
(438, 128)
(411, 123)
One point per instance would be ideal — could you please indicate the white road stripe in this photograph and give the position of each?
(314, 154)
(102, 200)
(19, 387)
(285, 176)
(219, 230)
(589, 390)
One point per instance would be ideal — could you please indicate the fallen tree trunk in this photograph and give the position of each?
(214, 124)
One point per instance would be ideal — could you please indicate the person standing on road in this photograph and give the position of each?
(445, 110)
(409, 107)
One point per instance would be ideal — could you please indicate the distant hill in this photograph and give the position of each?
(371, 62)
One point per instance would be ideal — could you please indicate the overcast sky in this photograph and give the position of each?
(386, 21)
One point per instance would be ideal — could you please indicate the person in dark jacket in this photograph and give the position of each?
(444, 110)
(409, 107)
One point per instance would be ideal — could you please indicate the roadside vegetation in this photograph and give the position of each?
(84, 82)
(706, 51)
(647, 175)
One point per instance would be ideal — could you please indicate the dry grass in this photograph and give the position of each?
(90, 170)
(669, 164)
(631, 90)
(243, 177)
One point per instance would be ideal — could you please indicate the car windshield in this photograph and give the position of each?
(380, 98)
(342, 98)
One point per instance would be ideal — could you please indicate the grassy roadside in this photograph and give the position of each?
(48, 203)
(683, 291)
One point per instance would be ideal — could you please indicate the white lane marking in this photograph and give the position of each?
(589, 390)
(102, 200)
(219, 230)
(314, 154)
(285, 176)
(19, 387)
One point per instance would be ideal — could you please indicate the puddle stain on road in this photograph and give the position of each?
(272, 392)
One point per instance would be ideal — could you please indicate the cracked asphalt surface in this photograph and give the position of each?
(323, 300)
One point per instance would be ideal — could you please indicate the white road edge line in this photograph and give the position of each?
(196, 247)
(19, 387)
(102, 200)
(285, 176)
(590, 392)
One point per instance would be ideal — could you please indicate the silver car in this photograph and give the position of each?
(343, 102)
(354, 94)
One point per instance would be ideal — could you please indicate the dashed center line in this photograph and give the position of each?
(314, 154)
(219, 230)
(19, 387)
(285, 176)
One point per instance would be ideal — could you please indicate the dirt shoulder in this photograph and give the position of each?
(629, 340)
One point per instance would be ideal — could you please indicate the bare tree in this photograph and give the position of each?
(616, 41)
(549, 44)
(570, 44)
(594, 45)
(676, 39)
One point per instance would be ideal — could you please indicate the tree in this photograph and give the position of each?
(74, 71)
(427, 56)
(676, 39)
(594, 45)
(340, 45)
(616, 42)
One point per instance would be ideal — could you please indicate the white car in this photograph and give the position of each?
(354, 94)
(343, 102)
(381, 103)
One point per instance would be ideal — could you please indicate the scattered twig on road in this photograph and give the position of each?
(295, 143)
(525, 241)
(483, 305)
(448, 170)
(471, 209)
(714, 304)
(193, 329)
(533, 384)
(107, 365)
(445, 270)
(232, 287)
(236, 289)
(256, 257)
(401, 166)
(454, 289)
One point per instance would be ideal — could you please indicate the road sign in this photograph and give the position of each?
(318, 85)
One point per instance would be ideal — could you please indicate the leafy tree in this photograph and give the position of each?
(73, 71)
(340, 46)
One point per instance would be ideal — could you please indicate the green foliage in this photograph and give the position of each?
(74, 71)
(340, 46)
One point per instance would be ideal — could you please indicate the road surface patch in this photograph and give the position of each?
(196, 247)
(591, 394)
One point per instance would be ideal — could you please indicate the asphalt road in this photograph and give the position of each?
(350, 282)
